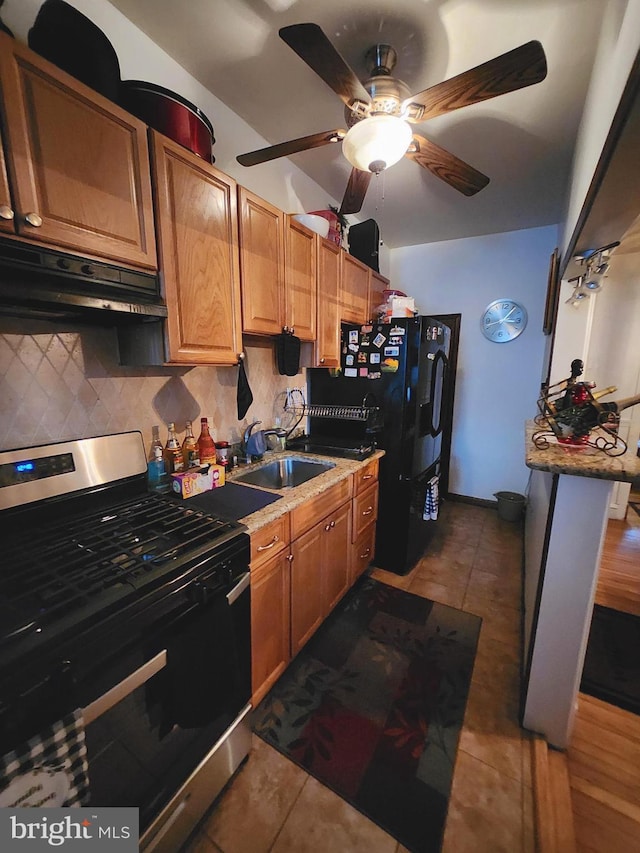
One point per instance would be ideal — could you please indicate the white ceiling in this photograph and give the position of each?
(523, 141)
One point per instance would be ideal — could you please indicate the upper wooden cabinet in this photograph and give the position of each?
(327, 348)
(300, 259)
(355, 290)
(377, 283)
(196, 218)
(78, 165)
(261, 264)
(278, 269)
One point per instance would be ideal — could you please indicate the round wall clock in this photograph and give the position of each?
(503, 320)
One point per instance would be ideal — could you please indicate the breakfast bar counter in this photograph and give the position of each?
(567, 512)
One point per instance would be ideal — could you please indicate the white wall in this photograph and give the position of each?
(497, 385)
(617, 50)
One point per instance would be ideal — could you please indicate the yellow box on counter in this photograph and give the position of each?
(187, 484)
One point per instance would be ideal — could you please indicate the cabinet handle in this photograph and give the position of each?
(367, 511)
(322, 361)
(6, 212)
(290, 558)
(33, 219)
(270, 545)
(366, 554)
(367, 476)
(327, 527)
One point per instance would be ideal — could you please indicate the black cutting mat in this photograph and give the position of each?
(232, 501)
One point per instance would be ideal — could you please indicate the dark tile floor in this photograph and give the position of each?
(272, 806)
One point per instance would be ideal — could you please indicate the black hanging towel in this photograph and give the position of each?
(288, 354)
(244, 395)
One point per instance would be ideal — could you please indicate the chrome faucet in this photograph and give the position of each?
(245, 441)
(247, 432)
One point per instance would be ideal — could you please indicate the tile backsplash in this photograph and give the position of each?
(57, 384)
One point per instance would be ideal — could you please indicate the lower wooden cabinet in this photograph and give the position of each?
(301, 566)
(362, 552)
(270, 635)
(307, 610)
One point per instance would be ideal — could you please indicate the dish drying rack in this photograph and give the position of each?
(366, 412)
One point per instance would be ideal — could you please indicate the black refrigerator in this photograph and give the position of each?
(407, 369)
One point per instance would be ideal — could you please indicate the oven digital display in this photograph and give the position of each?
(27, 470)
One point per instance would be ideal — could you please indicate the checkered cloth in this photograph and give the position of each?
(431, 500)
(50, 769)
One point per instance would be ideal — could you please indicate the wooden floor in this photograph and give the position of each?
(604, 756)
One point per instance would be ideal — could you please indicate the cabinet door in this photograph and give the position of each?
(377, 283)
(307, 610)
(355, 290)
(300, 279)
(362, 552)
(270, 638)
(261, 265)
(327, 349)
(335, 557)
(6, 207)
(365, 509)
(198, 246)
(78, 164)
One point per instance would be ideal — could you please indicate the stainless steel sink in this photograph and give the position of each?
(284, 473)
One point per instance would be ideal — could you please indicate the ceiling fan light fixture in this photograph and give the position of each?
(376, 143)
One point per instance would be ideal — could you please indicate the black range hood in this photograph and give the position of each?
(40, 283)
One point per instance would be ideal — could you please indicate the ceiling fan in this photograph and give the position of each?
(380, 111)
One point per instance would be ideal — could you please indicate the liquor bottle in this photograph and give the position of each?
(206, 445)
(174, 463)
(190, 451)
(155, 443)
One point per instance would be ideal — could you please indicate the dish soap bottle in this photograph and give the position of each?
(190, 451)
(157, 479)
(206, 445)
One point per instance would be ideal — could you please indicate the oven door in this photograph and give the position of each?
(177, 721)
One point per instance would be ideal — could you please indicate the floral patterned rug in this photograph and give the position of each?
(373, 707)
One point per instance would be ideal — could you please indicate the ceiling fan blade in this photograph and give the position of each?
(312, 46)
(355, 191)
(446, 166)
(292, 146)
(521, 67)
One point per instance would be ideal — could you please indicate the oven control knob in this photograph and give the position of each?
(198, 592)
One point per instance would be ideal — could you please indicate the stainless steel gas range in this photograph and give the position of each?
(130, 611)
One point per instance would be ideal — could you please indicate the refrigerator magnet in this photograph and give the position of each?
(374, 358)
(379, 340)
(353, 336)
(350, 372)
(365, 340)
(396, 330)
(375, 375)
(390, 365)
(348, 360)
(392, 351)
(362, 357)
(364, 371)
(353, 347)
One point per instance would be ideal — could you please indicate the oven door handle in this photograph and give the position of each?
(239, 588)
(101, 705)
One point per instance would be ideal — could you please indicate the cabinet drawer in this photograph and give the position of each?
(362, 552)
(269, 540)
(365, 510)
(304, 517)
(365, 477)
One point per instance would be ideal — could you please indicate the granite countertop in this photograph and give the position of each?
(580, 462)
(293, 497)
